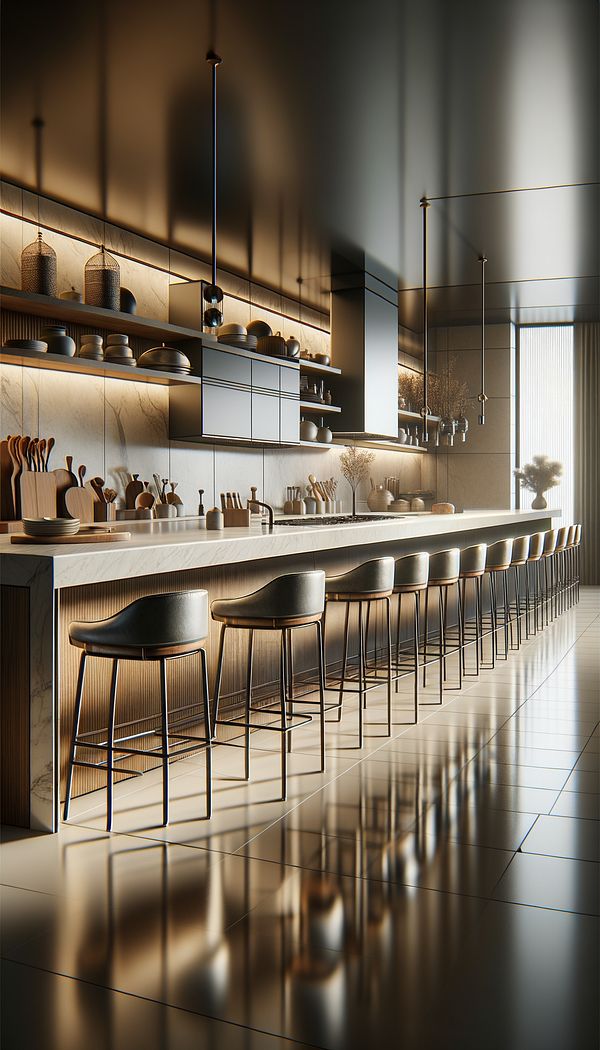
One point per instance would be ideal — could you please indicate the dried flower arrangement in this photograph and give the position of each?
(448, 397)
(354, 465)
(539, 476)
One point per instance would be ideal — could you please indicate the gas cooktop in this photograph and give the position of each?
(340, 519)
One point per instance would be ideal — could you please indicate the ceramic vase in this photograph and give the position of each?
(539, 502)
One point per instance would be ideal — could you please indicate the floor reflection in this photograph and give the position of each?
(405, 890)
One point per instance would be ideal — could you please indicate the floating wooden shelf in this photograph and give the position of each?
(316, 367)
(82, 366)
(316, 406)
(316, 444)
(94, 316)
(383, 444)
(416, 417)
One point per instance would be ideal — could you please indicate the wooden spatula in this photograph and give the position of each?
(7, 505)
(79, 503)
(132, 491)
(65, 480)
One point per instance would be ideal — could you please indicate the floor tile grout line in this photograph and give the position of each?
(168, 1006)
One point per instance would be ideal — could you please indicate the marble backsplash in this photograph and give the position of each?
(117, 428)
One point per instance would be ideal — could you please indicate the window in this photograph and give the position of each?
(546, 407)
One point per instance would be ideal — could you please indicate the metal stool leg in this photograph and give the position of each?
(398, 624)
(76, 716)
(206, 705)
(290, 683)
(321, 661)
(389, 662)
(248, 705)
(416, 655)
(164, 732)
(344, 662)
(442, 643)
(282, 686)
(361, 680)
(218, 676)
(425, 638)
(109, 745)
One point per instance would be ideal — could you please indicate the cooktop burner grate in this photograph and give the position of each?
(343, 519)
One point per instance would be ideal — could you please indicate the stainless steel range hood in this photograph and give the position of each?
(364, 344)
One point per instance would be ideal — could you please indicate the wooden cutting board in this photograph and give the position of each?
(79, 537)
(79, 503)
(7, 506)
(38, 494)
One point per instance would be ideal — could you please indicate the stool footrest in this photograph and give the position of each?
(298, 721)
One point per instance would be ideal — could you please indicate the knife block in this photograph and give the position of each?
(234, 518)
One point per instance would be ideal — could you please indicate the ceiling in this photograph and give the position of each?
(335, 118)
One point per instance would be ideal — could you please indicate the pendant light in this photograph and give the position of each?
(425, 411)
(38, 259)
(482, 397)
(213, 295)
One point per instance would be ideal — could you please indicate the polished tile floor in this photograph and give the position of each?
(440, 889)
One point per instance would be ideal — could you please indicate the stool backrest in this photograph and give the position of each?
(550, 541)
(295, 594)
(374, 576)
(561, 537)
(412, 570)
(499, 555)
(520, 551)
(472, 559)
(444, 566)
(536, 545)
(572, 535)
(578, 533)
(176, 618)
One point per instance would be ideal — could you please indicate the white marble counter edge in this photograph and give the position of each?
(169, 552)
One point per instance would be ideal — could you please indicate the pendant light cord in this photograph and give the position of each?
(424, 204)
(214, 60)
(482, 396)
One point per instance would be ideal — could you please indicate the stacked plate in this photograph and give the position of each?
(236, 335)
(119, 351)
(27, 344)
(50, 528)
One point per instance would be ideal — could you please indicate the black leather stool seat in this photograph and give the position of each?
(372, 578)
(294, 599)
(151, 627)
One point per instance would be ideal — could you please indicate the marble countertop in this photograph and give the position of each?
(176, 546)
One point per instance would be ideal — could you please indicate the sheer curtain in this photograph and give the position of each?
(587, 446)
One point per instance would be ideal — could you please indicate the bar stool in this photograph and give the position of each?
(562, 538)
(497, 564)
(534, 558)
(570, 565)
(411, 576)
(520, 554)
(372, 581)
(548, 573)
(472, 567)
(444, 572)
(160, 627)
(578, 559)
(286, 604)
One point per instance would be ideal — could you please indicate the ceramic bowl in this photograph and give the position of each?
(164, 357)
(259, 329)
(233, 328)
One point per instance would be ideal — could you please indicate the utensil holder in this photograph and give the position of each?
(105, 511)
(234, 518)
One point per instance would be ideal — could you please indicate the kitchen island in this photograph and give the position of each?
(46, 587)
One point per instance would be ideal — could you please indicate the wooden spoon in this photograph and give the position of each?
(81, 474)
(41, 454)
(49, 446)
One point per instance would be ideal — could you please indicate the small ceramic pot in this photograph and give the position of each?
(308, 430)
(214, 519)
(128, 301)
(293, 347)
(379, 499)
(310, 504)
(324, 435)
(72, 295)
(417, 504)
(55, 335)
(402, 436)
(164, 510)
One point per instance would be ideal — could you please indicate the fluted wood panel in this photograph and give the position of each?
(14, 706)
